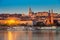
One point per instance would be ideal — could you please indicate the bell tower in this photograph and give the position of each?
(50, 17)
(30, 12)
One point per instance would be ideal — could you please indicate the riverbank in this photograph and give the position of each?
(30, 28)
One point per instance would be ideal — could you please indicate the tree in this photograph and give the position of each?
(40, 24)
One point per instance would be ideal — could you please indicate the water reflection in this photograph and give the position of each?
(30, 35)
(10, 36)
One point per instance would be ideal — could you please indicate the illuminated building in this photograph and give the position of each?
(45, 17)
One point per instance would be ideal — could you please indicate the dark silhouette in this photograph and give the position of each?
(56, 23)
(40, 24)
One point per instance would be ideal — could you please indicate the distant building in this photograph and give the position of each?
(30, 13)
(32, 18)
(42, 14)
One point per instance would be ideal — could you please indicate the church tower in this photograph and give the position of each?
(30, 12)
(48, 18)
(51, 16)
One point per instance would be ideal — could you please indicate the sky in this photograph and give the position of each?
(21, 6)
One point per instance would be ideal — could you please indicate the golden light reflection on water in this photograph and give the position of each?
(29, 35)
(10, 36)
(19, 35)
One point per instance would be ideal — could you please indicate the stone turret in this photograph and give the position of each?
(51, 16)
(30, 12)
(49, 19)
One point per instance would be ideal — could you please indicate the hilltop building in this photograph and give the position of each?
(33, 18)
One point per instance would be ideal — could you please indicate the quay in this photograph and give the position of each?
(30, 28)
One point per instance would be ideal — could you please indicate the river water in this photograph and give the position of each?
(30, 35)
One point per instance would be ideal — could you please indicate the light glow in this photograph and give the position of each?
(10, 22)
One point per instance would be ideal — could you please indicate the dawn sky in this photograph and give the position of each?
(20, 6)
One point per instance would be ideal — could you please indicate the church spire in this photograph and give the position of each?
(30, 12)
